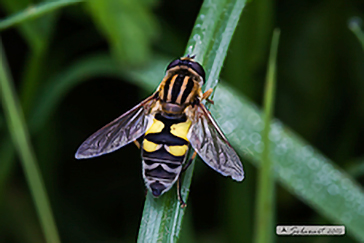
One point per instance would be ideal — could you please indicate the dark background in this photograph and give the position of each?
(320, 87)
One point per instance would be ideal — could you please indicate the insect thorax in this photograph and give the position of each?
(179, 88)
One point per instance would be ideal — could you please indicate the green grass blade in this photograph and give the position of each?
(247, 53)
(19, 134)
(129, 27)
(265, 191)
(6, 165)
(34, 11)
(209, 41)
(49, 98)
(35, 32)
(354, 26)
(299, 167)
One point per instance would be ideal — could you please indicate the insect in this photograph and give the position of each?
(170, 120)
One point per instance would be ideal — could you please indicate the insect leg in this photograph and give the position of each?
(206, 95)
(189, 162)
(137, 143)
(210, 101)
(179, 181)
(179, 186)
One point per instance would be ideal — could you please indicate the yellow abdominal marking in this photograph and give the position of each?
(156, 127)
(150, 147)
(181, 129)
(177, 150)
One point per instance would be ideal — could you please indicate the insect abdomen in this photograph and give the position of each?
(164, 150)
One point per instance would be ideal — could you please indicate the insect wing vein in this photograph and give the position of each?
(209, 142)
(118, 133)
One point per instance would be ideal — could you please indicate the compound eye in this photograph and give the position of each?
(173, 64)
(198, 69)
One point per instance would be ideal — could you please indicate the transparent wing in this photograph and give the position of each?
(212, 146)
(118, 133)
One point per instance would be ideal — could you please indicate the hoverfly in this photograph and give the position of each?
(169, 120)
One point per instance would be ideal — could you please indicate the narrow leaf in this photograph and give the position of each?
(34, 11)
(20, 137)
(265, 193)
(129, 27)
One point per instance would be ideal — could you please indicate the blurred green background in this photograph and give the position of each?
(320, 85)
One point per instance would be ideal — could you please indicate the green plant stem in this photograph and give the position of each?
(265, 192)
(20, 137)
(209, 41)
(34, 11)
(6, 164)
